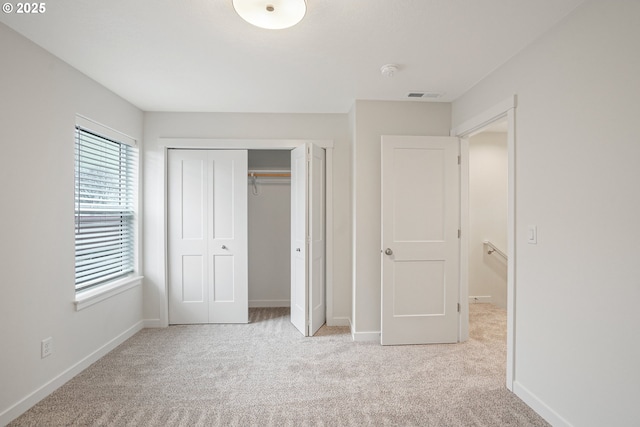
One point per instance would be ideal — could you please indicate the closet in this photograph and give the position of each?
(269, 218)
(244, 231)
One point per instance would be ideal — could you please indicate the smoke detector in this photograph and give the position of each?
(389, 70)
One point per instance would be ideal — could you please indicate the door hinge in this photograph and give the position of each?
(458, 307)
(459, 233)
(459, 160)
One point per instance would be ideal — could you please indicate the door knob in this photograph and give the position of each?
(224, 247)
(388, 251)
(297, 249)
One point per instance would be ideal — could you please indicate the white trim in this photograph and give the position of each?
(474, 124)
(255, 303)
(248, 144)
(339, 321)
(511, 249)
(152, 323)
(365, 336)
(109, 132)
(504, 109)
(463, 327)
(89, 297)
(241, 144)
(551, 416)
(20, 407)
(328, 236)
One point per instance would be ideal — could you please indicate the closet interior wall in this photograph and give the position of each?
(269, 216)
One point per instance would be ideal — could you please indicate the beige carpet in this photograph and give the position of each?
(266, 374)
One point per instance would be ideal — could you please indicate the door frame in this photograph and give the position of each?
(505, 109)
(246, 144)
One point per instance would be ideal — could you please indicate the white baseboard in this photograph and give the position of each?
(45, 390)
(269, 303)
(153, 323)
(551, 416)
(364, 336)
(480, 299)
(338, 321)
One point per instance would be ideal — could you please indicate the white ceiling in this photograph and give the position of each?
(198, 55)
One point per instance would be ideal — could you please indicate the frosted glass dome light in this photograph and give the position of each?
(271, 14)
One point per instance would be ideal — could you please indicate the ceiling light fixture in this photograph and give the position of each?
(271, 14)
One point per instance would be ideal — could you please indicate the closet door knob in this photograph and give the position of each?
(388, 251)
(224, 247)
(297, 249)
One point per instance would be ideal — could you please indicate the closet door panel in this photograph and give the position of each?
(222, 208)
(207, 236)
(193, 281)
(192, 198)
(223, 266)
(187, 229)
(228, 242)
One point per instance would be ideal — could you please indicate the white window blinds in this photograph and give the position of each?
(105, 186)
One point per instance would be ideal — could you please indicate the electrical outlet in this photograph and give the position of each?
(46, 347)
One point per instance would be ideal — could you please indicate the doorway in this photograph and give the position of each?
(488, 201)
(503, 111)
(269, 217)
(300, 236)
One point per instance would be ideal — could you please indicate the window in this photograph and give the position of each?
(105, 201)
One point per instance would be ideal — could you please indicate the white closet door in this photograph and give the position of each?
(316, 229)
(299, 283)
(308, 301)
(207, 237)
(420, 259)
(187, 237)
(228, 237)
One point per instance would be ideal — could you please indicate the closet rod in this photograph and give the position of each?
(269, 175)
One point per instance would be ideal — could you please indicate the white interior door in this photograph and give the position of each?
(308, 307)
(299, 283)
(420, 247)
(207, 236)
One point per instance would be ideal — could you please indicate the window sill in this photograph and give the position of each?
(92, 296)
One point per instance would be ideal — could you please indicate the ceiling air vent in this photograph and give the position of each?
(424, 95)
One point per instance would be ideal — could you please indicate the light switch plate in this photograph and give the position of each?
(532, 235)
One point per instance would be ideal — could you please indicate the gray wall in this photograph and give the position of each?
(40, 97)
(372, 119)
(577, 176)
(243, 126)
